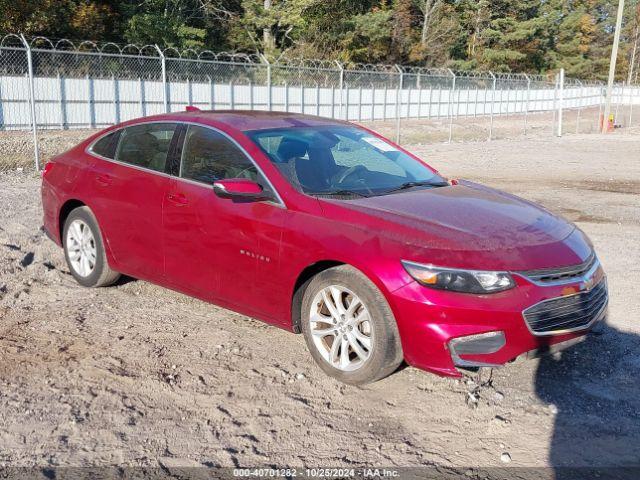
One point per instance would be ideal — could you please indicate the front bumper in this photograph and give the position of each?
(433, 323)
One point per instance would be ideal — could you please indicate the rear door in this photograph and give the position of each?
(215, 248)
(129, 191)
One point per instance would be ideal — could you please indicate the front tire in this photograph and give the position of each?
(349, 327)
(84, 250)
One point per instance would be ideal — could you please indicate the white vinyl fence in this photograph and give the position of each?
(63, 85)
(62, 102)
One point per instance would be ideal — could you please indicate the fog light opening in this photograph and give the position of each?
(480, 344)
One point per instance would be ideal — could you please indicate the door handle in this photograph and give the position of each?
(178, 199)
(103, 180)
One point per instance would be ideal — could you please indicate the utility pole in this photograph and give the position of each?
(612, 67)
(636, 34)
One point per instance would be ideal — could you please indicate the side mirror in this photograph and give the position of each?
(240, 189)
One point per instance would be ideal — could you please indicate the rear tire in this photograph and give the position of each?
(84, 250)
(342, 305)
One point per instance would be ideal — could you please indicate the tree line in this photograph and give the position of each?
(501, 35)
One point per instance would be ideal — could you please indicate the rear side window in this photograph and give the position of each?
(208, 156)
(146, 145)
(106, 146)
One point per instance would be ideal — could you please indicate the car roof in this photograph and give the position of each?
(245, 120)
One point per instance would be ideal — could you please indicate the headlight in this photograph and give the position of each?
(467, 281)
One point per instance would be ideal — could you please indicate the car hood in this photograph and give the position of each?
(468, 218)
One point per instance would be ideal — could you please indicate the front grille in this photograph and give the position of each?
(552, 275)
(572, 312)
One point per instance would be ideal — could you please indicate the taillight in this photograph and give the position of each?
(47, 166)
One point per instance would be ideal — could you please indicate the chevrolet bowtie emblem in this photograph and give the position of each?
(587, 285)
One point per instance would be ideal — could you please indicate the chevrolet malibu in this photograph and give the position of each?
(327, 229)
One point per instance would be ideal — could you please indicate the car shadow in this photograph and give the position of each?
(123, 280)
(593, 390)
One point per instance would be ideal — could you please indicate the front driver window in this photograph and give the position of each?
(208, 156)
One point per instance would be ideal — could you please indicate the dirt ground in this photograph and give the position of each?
(137, 375)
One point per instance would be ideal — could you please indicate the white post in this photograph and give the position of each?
(493, 96)
(212, 100)
(620, 100)
(333, 102)
(269, 89)
(451, 93)
(560, 101)
(317, 100)
(341, 87)
(384, 104)
(165, 98)
(141, 85)
(555, 105)
(600, 121)
(286, 97)
(116, 100)
(62, 104)
(373, 102)
(631, 96)
(579, 105)
(398, 94)
(526, 105)
(32, 101)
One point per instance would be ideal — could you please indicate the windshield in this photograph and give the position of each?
(342, 160)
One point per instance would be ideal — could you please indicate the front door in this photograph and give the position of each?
(214, 247)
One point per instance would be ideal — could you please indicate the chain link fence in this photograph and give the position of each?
(65, 85)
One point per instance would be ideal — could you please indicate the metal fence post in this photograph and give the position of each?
(373, 102)
(341, 87)
(599, 121)
(286, 97)
(384, 104)
(560, 101)
(526, 105)
(555, 104)
(141, 100)
(63, 103)
(493, 97)
(269, 89)
(631, 92)
(451, 94)
(116, 100)
(620, 99)
(165, 96)
(212, 99)
(580, 98)
(398, 95)
(32, 101)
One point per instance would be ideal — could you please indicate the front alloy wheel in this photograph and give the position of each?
(349, 327)
(341, 328)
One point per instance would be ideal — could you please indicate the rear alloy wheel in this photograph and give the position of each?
(349, 327)
(84, 250)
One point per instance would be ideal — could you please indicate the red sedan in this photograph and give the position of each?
(323, 227)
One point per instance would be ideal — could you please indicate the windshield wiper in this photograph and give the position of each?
(344, 193)
(408, 185)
